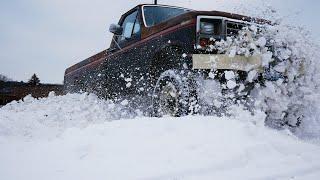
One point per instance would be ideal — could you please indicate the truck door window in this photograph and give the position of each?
(130, 27)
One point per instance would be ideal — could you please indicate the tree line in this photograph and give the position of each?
(34, 80)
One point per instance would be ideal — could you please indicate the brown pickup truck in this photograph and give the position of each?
(156, 53)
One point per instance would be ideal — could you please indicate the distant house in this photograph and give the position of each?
(10, 91)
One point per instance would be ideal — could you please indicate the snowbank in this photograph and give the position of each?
(50, 116)
(74, 137)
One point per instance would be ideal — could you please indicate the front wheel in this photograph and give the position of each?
(171, 94)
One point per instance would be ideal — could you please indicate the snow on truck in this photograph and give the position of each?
(158, 54)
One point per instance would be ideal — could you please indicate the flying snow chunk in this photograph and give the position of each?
(211, 75)
(185, 65)
(241, 87)
(184, 55)
(231, 84)
(128, 79)
(229, 75)
(285, 54)
(281, 67)
(233, 52)
(128, 84)
(266, 59)
(124, 102)
(251, 75)
(261, 42)
(141, 89)
(253, 28)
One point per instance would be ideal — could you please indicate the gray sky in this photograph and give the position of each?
(47, 36)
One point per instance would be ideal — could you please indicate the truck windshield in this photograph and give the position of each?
(154, 15)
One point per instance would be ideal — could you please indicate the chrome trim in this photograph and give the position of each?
(207, 17)
(152, 5)
(221, 18)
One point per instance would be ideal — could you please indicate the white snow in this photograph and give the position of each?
(128, 79)
(231, 84)
(229, 75)
(80, 139)
(184, 55)
(261, 41)
(128, 84)
(281, 67)
(266, 59)
(252, 75)
(124, 102)
(211, 75)
(54, 114)
(233, 52)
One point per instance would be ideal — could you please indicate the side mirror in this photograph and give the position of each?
(116, 29)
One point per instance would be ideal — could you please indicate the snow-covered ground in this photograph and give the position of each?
(80, 137)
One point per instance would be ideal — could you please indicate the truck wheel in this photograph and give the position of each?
(171, 95)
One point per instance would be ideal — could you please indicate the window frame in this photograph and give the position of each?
(122, 23)
(153, 5)
(133, 37)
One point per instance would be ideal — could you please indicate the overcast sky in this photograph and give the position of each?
(47, 36)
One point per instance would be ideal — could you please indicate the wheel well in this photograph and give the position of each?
(165, 59)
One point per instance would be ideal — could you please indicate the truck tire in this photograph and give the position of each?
(171, 95)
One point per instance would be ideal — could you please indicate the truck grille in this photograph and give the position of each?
(233, 28)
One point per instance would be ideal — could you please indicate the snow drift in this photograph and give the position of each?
(74, 137)
(56, 113)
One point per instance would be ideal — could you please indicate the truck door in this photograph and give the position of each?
(124, 64)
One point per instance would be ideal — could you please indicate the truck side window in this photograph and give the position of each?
(130, 26)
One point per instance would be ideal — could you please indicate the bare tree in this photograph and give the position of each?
(4, 78)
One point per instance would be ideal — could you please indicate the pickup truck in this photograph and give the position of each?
(156, 53)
